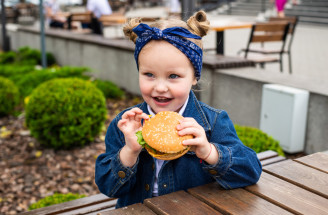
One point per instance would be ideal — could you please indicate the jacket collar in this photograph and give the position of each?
(193, 109)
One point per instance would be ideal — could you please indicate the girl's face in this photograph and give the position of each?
(165, 76)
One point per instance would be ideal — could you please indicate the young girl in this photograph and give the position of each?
(169, 60)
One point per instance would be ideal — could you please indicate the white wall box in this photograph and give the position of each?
(284, 115)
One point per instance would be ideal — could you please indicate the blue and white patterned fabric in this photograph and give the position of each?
(176, 36)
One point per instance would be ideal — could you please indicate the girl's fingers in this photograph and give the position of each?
(191, 142)
(127, 115)
(121, 122)
(187, 122)
(139, 117)
(131, 114)
(190, 130)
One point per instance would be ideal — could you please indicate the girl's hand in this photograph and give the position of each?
(129, 125)
(199, 144)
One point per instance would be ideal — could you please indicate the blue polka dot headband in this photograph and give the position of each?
(174, 36)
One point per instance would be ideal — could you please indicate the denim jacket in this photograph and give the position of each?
(238, 165)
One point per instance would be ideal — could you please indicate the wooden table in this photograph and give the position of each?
(288, 187)
(221, 25)
(297, 186)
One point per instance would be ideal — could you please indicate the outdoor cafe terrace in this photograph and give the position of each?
(292, 186)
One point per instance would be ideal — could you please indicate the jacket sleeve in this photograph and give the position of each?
(112, 177)
(238, 165)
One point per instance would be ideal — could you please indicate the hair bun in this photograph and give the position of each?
(127, 29)
(199, 23)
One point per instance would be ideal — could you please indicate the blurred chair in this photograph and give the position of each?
(264, 33)
(293, 20)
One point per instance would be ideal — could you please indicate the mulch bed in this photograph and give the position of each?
(29, 172)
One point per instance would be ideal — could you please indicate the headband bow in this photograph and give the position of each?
(174, 36)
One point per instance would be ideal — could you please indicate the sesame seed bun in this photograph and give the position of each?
(160, 133)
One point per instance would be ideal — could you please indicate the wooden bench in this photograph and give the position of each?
(82, 17)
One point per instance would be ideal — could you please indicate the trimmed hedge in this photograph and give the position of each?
(63, 113)
(28, 82)
(9, 96)
(257, 140)
(25, 56)
(11, 71)
(55, 199)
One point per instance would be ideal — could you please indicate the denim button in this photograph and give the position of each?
(147, 187)
(121, 174)
(213, 172)
(165, 185)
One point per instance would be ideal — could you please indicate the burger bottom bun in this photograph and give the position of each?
(167, 156)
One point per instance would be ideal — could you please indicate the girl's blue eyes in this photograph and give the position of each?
(149, 74)
(172, 76)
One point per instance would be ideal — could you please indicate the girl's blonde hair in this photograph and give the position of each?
(197, 24)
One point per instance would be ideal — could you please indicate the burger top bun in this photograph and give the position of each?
(161, 134)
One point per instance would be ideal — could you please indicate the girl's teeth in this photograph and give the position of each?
(162, 99)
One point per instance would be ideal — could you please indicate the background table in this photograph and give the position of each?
(221, 25)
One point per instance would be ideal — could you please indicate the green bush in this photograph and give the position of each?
(26, 83)
(25, 56)
(11, 71)
(9, 96)
(7, 57)
(55, 199)
(63, 113)
(109, 89)
(258, 140)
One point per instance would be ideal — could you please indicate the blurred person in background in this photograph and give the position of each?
(55, 18)
(98, 8)
(175, 6)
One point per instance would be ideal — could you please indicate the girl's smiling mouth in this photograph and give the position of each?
(162, 100)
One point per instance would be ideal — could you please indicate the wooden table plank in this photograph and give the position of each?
(300, 175)
(71, 205)
(272, 160)
(235, 201)
(179, 202)
(91, 208)
(289, 196)
(266, 155)
(136, 209)
(317, 161)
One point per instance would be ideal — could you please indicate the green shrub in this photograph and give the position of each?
(9, 96)
(11, 71)
(7, 57)
(63, 113)
(258, 140)
(109, 89)
(26, 83)
(55, 199)
(27, 55)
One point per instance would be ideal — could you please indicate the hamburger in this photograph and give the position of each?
(160, 137)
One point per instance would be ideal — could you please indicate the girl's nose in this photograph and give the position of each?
(161, 87)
